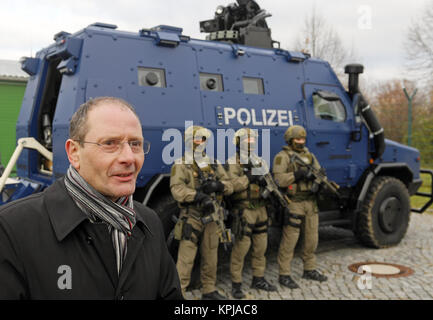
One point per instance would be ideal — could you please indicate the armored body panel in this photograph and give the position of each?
(174, 81)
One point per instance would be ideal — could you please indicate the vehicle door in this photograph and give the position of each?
(334, 134)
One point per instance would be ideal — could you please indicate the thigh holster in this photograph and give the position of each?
(189, 233)
(288, 216)
(243, 227)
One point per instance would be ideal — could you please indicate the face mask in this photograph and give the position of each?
(298, 146)
(199, 147)
(252, 146)
(246, 146)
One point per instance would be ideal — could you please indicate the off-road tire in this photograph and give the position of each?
(384, 217)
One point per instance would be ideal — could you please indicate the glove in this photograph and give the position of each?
(300, 174)
(204, 201)
(200, 197)
(310, 176)
(212, 186)
(255, 178)
(248, 165)
(260, 180)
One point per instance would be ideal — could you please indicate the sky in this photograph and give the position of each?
(374, 29)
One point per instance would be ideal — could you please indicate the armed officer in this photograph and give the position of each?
(194, 180)
(250, 219)
(297, 181)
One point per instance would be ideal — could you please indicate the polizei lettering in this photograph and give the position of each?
(262, 117)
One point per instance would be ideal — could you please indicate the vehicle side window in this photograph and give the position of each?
(328, 106)
(253, 85)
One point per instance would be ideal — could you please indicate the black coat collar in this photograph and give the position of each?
(65, 215)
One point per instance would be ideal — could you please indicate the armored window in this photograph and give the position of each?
(211, 82)
(151, 77)
(328, 106)
(253, 85)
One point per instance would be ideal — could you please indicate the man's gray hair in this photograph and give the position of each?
(78, 125)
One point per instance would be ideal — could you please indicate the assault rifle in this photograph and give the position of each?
(320, 178)
(217, 213)
(272, 190)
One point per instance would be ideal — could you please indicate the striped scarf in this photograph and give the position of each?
(119, 215)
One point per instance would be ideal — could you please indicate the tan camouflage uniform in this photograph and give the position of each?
(184, 182)
(249, 210)
(303, 203)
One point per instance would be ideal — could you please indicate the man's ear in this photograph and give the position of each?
(72, 150)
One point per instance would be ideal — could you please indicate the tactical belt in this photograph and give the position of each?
(195, 214)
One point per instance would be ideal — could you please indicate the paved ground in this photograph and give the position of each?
(337, 250)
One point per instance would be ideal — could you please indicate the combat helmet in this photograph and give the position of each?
(295, 132)
(195, 132)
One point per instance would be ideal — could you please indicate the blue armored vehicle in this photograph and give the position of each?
(237, 77)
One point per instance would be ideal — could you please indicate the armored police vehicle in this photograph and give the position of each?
(237, 77)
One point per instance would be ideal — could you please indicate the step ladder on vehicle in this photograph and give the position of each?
(16, 188)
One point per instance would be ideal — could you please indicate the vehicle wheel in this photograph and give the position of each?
(168, 211)
(385, 214)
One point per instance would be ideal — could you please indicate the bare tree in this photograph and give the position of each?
(322, 41)
(391, 106)
(419, 45)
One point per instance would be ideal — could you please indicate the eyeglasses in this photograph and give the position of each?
(113, 145)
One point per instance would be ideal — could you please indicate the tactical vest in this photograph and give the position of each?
(249, 198)
(299, 190)
(203, 173)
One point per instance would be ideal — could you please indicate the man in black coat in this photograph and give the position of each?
(84, 237)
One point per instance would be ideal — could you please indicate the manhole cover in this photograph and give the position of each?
(381, 269)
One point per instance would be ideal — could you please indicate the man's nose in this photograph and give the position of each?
(126, 154)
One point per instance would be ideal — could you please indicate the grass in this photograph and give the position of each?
(417, 201)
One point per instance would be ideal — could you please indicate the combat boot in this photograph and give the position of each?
(237, 291)
(314, 275)
(288, 282)
(214, 295)
(261, 283)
